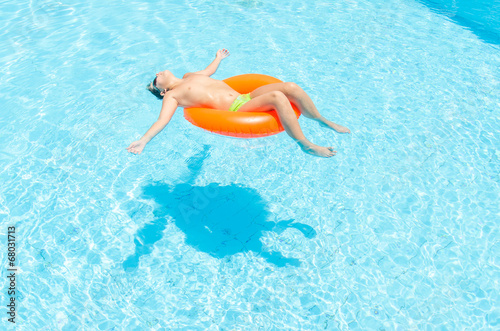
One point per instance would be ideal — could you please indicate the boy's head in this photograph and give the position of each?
(155, 90)
(161, 83)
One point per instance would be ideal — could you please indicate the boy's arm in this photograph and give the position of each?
(167, 111)
(212, 67)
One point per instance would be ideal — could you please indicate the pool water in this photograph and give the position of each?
(202, 232)
(480, 16)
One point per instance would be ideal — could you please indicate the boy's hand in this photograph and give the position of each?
(136, 147)
(222, 54)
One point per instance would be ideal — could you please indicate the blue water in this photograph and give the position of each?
(398, 231)
(480, 16)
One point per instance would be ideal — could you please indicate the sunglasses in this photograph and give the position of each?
(154, 85)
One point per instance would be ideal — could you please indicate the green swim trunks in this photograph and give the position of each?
(240, 101)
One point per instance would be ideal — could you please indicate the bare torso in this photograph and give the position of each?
(202, 91)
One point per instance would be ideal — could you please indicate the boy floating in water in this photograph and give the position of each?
(197, 89)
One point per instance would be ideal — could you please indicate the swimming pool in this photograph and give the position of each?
(398, 231)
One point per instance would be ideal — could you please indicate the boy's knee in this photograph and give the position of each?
(291, 87)
(277, 97)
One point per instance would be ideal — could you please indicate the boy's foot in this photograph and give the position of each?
(317, 150)
(333, 126)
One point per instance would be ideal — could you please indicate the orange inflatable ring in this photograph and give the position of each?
(239, 124)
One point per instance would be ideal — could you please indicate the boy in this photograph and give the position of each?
(197, 89)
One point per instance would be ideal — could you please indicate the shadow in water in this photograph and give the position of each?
(218, 220)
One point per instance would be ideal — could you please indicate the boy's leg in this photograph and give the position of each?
(277, 100)
(303, 102)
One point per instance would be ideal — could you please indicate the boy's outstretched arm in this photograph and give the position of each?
(167, 111)
(212, 67)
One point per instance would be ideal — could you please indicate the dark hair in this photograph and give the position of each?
(156, 91)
